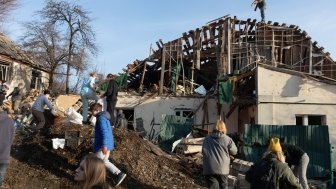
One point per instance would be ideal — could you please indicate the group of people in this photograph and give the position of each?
(91, 172)
(282, 166)
(109, 94)
(103, 135)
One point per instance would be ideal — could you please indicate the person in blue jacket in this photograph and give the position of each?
(103, 140)
(88, 92)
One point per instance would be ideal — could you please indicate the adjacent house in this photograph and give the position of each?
(17, 67)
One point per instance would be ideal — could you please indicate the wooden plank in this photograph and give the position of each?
(163, 62)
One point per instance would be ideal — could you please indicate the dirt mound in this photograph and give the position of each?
(35, 164)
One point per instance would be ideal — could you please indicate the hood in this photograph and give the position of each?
(217, 134)
(270, 156)
(3, 116)
(105, 114)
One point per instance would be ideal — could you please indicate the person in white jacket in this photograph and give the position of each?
(6, 136)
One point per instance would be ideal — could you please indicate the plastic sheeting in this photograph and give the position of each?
(225, 90)
(173, 128)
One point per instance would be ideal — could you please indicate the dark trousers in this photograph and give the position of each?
(111, 104)
(39, 117)
(217, 181)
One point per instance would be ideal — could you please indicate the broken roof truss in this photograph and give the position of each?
(228, 46)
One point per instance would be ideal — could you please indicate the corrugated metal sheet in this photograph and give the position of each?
(314, 139)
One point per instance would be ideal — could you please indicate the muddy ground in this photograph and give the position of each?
(35, 164)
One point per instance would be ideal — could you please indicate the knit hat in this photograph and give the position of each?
(274, 145)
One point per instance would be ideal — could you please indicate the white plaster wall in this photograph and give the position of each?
(156, 107)
(23, 74)
(281, 96)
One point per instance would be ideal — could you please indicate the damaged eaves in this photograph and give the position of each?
(9, 52)
(229, 46)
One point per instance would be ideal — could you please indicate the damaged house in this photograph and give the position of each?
(243, 72)
(17, 67)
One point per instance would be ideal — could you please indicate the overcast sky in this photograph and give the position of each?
(125, 29)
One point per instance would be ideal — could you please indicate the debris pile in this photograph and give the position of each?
(35, 164)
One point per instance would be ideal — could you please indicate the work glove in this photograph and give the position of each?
(104, 150)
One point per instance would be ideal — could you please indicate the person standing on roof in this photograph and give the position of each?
(88, 92)
(216, 150)
(261, 4)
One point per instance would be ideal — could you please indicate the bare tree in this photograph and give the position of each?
(80, 36)
(43, 42)
(6, 6)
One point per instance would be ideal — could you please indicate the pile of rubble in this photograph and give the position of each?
(36, 164)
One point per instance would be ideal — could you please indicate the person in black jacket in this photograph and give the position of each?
(111, 95)
(271, 172)
(16, 94)
(261, 4)
(298, 158)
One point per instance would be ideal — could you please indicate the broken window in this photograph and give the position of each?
(5, 72)
(36, 81)
(310, 119)
(184, 113)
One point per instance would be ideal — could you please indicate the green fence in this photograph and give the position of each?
(313, 139)
(173, 128)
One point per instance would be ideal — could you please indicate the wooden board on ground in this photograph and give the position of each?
(63, 102)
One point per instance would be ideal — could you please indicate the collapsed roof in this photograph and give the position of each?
(9, 50)
(228, 46)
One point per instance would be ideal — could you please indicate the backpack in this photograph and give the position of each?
(262, 175)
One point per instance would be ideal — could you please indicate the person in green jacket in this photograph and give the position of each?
(271, 172)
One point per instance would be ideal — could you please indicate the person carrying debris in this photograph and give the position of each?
(3, 93)
(111, 95)
(261, 4)
(216, 150)
(38, 108)
(298, 158)
(16, 97)
(6, 137)
(103, 140)
(272, 172)
(91, 173)
(87, 93)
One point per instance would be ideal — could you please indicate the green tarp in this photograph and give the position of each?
(121, 80)
(225, 90)
(313, 139)
(173, 128)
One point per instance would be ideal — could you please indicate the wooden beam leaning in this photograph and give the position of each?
(163, 62)
(197, 49)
